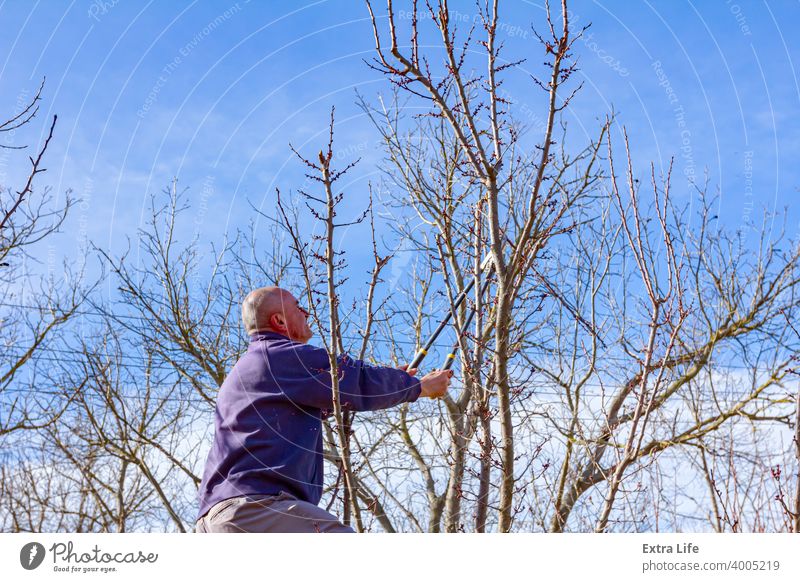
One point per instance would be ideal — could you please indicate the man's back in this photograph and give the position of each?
(268, 429)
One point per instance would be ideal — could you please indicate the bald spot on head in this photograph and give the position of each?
(260, 304)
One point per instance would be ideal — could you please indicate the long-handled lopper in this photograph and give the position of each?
(446, 319)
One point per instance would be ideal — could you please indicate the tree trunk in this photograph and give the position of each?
(482, 511)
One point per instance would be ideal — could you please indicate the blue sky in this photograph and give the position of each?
(213, 92)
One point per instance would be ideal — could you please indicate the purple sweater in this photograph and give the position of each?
(268, 422)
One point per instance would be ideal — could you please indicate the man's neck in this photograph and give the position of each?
(268, 330)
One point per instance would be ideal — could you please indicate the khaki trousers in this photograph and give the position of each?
(282, 513)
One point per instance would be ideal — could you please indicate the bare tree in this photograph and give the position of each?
(539, 190)
(35, 306)
(711, 307)
(189, 322)
(792, 509)
(321, 265)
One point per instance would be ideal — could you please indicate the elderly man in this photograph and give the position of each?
(264, 471)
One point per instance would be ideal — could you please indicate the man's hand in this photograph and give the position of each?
(435, 384)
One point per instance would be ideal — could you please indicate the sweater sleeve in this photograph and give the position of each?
(361, 387)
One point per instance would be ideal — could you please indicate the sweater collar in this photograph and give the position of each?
(266, 335)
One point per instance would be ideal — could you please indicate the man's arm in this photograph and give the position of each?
(361, 386)
(365, 387)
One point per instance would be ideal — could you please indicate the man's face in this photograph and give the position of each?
(296, 317)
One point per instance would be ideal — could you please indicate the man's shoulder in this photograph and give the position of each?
(283, 350)
(270, 361)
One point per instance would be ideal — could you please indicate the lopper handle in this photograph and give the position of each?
(423, 351)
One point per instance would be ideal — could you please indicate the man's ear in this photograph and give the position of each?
(277, 321)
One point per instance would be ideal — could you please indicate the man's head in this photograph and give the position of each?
(274, 309)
